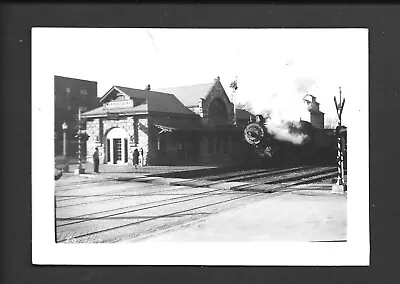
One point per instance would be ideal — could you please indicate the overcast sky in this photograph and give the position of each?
(275, 67)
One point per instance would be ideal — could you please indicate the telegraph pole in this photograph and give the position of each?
(340, 184)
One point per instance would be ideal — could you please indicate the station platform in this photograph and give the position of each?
(107, 172)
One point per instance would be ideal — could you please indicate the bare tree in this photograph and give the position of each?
(331, 123)
(266, 113)
(246, 106)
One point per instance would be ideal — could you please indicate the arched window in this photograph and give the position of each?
(217, 110)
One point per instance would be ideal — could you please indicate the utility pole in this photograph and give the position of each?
(81, 135)
(340, 184)
(234, 88)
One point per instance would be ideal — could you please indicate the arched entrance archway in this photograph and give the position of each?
(117, 146)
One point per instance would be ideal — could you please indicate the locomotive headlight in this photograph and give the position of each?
(253, 133)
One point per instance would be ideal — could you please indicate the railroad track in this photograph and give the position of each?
(146, 212)
(163, 209)
(134, 208)
(267, 176)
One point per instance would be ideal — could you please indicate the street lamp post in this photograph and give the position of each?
(64, 128)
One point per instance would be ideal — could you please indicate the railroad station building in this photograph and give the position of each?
(188, 125)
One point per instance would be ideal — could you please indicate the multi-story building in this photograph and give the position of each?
(69, 95)
(312, 114)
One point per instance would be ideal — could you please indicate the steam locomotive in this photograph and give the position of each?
(298, 143)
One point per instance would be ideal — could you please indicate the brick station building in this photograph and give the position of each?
(189, 125)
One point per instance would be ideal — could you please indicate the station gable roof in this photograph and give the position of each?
(190, 95)
(150, 101)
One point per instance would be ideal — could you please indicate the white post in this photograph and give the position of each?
(80, 170)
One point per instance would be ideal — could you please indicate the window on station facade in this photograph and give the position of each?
(225, 144)
(162, 144)
(210, 144)
(179, 145)
(218, 145)
(217, 111)
(126, 150)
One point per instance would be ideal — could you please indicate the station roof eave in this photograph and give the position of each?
(165, 127)
(137, 110)
(103, 112)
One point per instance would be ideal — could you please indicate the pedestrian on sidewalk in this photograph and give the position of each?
(141, 157)
(96, 160)
(135, 158)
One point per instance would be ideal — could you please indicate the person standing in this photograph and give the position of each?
(141, 157)
(96, 160)
(135, 157)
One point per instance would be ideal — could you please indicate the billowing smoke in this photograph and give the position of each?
(289, 131)
(289, 108)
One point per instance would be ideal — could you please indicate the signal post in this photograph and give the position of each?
(82, 137)
(340, 185)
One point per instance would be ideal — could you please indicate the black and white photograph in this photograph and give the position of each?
(200, 146)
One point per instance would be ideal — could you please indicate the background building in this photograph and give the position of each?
(69, 95)
(312, 114)
(183, 125)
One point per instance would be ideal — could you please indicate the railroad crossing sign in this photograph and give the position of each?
(339, 131)
(339, 107)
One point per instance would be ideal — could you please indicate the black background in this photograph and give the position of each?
(383, 23)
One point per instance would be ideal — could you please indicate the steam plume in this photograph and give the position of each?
(287, 131)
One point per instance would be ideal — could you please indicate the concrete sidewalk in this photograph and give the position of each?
(299, 215)
(112, 172)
